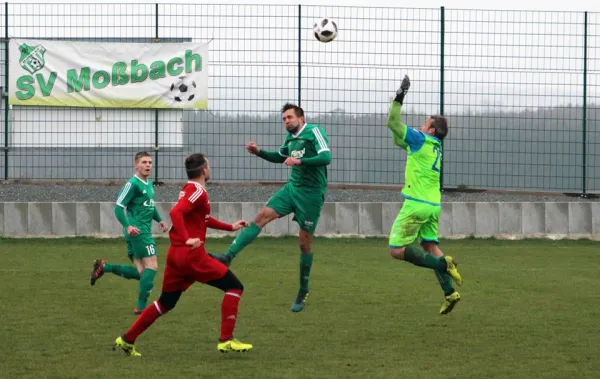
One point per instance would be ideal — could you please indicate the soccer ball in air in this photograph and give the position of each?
(325, 30)
(182, 90)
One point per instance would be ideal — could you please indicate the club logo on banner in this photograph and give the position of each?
(32, 57)
(108, 75)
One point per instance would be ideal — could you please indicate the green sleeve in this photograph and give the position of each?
(321, 159)
(120, 213)
(394, 123)
(321, 141)
(126, 194)
(156, 216)
(271, 156)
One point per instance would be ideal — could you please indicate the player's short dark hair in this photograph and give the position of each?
(441, 126)
(297, 110)
(141, 155)
(194, 163)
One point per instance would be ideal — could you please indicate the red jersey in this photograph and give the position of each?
(191, 215)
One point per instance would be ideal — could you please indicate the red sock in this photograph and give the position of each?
(229, 310)
(147, 318)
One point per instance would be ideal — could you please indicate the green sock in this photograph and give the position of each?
(305, 265)
(146, 284)
(419, 257)
(246, 236)
(125, 271)
(445, 281)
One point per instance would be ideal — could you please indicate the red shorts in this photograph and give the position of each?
(186, 266)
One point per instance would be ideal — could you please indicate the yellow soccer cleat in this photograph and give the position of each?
(451, 301)
(452, 270)
(127, 347)
(233, 345)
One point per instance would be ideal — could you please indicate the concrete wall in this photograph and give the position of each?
(458, 220)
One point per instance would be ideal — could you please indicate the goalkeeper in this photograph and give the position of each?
(419, 217)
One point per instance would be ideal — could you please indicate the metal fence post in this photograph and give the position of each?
(442, 32)
(299, 55)
(584, 123)
(6, 113)
(156, 147)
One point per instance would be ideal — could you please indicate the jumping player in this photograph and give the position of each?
(420, 213)
(306, 150)
(188, 262)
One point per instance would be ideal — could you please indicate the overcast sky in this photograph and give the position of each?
(570, 5)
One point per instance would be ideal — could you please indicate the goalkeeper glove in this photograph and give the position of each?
(403, 90)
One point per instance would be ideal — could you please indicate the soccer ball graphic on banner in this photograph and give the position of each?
(183, 90)
(325, 30)
(35, 63)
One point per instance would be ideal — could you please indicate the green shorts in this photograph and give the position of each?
(415, 220)
(142, 246)
(305, 203)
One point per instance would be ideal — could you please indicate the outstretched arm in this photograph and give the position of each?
(271, 156)
(394, 121)
(213, 223)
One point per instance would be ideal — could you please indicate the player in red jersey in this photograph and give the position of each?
(188, 262)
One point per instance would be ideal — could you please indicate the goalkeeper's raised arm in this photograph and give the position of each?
(394, 121)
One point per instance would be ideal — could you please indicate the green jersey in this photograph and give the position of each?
(422, 172)
(137, 197)
(309, 145)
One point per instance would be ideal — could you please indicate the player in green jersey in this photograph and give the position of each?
(418, 219)
(306, 150)
(135, 211)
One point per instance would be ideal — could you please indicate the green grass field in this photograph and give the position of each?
(529, 309)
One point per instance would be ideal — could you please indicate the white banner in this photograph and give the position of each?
(108, 75)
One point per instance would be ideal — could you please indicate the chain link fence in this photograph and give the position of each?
(520, 89)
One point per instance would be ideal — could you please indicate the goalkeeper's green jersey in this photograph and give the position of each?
(424, 156)
(137, 197)
(309, 142)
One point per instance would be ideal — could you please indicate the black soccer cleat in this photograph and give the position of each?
(97, 272)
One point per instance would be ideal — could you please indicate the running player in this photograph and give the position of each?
(135, 211)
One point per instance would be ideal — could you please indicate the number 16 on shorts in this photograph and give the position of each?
(151, 250)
